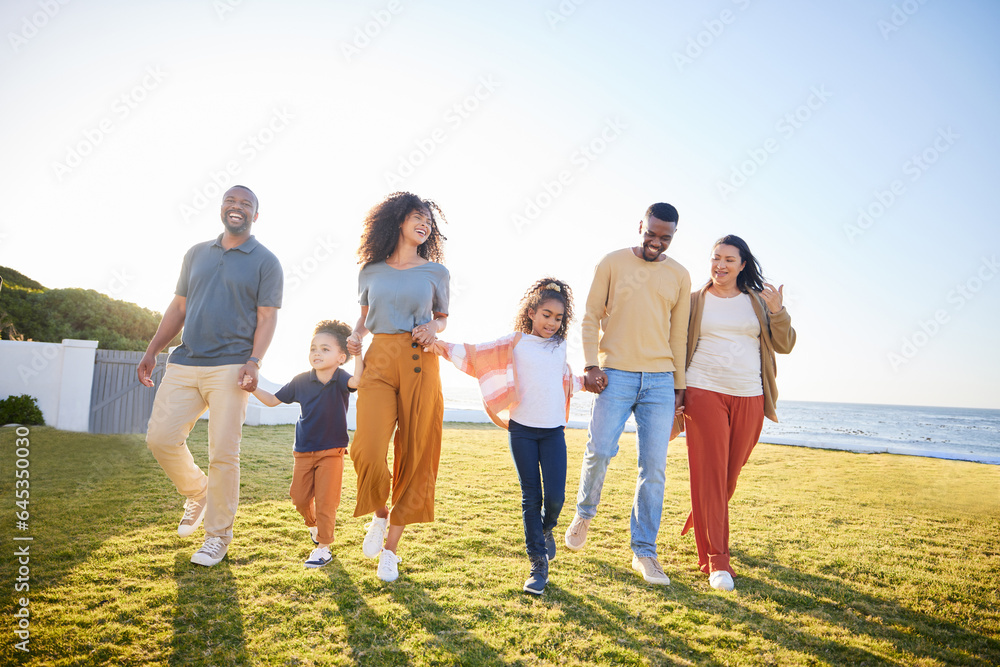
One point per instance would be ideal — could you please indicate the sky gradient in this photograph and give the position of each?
(852, 145)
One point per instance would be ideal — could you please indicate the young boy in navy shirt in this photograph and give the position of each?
(320, 433)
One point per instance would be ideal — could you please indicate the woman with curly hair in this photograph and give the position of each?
(403, 288)
(525, 374)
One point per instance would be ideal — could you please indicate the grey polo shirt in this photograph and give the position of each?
(400, 300)
(223, 289)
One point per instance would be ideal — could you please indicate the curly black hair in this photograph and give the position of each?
(546, 289)
(382, 223)
(339, 330)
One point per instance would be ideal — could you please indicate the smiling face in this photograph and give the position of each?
(416, 227)
(239, 210)
(325, 354)
(547, 318)
(656, 237)
(726, 266)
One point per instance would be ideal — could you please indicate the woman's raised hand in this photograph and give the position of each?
(773, 297)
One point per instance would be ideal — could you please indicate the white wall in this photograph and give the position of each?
(59, 375)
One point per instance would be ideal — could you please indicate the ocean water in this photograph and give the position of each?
(965, 434)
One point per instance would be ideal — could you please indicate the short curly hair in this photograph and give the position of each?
(546, 289)
(382, 223)
(339, 330)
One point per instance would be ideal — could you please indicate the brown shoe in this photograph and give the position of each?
(650, 570)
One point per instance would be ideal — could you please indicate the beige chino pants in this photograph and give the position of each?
(183, 396)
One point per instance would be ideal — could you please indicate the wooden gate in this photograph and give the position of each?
(119, 403)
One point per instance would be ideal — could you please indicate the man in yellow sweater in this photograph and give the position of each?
(635, 342)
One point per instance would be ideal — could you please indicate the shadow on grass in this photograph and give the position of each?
(911, 632)
(207, 620)
(372, 640)
(450, 642)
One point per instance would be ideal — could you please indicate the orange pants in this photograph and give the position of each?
(722, 430)
(400, 389)
(317, 478)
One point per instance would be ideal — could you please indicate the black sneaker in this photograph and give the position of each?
(539, 577)
(550, 544)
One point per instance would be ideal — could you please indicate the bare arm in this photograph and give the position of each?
(267, 321)
(359, 368)
(170, 325)
(360, 331)
(266, 397)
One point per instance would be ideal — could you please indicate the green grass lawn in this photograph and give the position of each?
(841, 559)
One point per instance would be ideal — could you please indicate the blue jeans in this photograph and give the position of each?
(540, 458)
(650, 396)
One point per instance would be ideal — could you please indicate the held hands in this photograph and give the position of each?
(354, 344)
(248, 376)
(773, 297)
(425, 334)
(595, 380)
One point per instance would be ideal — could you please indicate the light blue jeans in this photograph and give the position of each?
(650, 396)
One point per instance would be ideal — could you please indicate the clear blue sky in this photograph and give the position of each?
(852, 144)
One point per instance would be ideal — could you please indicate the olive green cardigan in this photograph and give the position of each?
(776, 335)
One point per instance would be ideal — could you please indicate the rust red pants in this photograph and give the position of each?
(400, 390)
(317, 478)
(722, 430)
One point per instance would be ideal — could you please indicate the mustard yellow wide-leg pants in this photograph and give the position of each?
(400, 390)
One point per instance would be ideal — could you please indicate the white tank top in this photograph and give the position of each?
(727, 359)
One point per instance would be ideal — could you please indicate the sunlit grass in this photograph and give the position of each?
(841, 559)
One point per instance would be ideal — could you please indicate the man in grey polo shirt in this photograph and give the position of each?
(226, 302)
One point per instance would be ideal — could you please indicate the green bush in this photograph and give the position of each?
(21, 409)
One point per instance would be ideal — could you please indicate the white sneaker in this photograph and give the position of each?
(651, 570)
(211, 552)
(194, 512)
(388, 565)
(319, 557)
(375, 537)
(576, 533)
(721, 580)
(313, 532)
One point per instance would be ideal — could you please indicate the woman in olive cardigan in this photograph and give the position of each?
(736, 326)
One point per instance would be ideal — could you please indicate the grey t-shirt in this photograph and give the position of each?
(223, 289)
(399, 300)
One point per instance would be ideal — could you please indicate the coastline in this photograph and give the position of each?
(859, 446)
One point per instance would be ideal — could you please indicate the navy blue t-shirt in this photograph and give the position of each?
(323, 421)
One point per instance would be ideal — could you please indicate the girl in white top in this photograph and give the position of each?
(526, 373)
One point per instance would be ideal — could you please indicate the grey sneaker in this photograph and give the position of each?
(194, 512)
(319, 557)
(211, 552)
(388, 565)
(650, 570)
(576, 534)
(539, 576)
(550, 544)
(375, 537)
